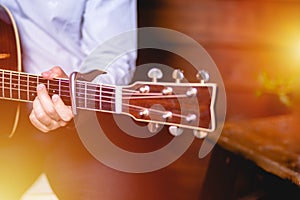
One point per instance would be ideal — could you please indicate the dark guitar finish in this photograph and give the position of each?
(9, 60)
(198, 105)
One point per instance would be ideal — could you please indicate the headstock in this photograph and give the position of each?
(179, 105)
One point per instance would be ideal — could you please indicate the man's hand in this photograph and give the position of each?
(50, 113)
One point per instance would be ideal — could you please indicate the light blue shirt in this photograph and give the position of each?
(66, 33)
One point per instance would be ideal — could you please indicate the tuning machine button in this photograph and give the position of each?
(203, 76)
(177, 75)
(200, 134)
(153, 127)
(175, 131)
(191, 92)
(167, 115)
(144, 113)
(190, 118)
(155, 74)
(144, 89)
(167, 91)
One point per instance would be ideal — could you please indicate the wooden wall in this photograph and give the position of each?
(244, 37)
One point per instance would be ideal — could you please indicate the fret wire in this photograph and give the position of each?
(100, 97)
(3, 85)
(28, 98)
(10, 81)
(59, 87)
(33, 92)
(51, 87)
(19, 95)
(39, 81)
(85, 94)
(79, 82)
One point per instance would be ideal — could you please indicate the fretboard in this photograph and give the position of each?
(19, 86)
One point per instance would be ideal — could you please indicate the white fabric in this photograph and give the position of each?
(64, 33)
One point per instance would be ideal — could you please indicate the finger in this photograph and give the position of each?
(58, 72)
(54, 72)
(63, 111)
(40, 114)
(62, 123)
(42, 127)
(37, 123)
(46, 103)
(46, 75)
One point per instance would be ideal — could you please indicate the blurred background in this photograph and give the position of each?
(256, 47)
(254, 43)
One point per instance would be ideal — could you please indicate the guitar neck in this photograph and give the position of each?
(187, 105)
(19, 86)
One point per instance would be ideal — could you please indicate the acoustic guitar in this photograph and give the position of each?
(178, 105)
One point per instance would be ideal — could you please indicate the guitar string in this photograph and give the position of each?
(40, 78)
(66, 81)
(133, 107)
(79, 84)
(91, 106)
(126, 105)
(140, 108)
(142, 95)
(32, 91)
(110, 97)
(95, 92)
(132, 94)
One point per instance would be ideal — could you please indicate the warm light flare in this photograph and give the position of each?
(295, 52)
(287, 37)
(284, 79)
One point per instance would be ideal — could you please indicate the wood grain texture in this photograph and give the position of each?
(272, 143)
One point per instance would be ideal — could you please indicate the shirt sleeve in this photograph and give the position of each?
(109, 40)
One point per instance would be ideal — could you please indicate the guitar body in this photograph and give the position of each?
(9, 60)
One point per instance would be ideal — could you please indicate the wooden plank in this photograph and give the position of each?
(272, 143)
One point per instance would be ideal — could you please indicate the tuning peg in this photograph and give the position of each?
(200, 134)
(203, 76)
(175, 131)
(177, 75)
(153, 127)
(155, 74)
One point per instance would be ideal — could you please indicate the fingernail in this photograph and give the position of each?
(55, 98)
(40, 87)
(45, 74)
